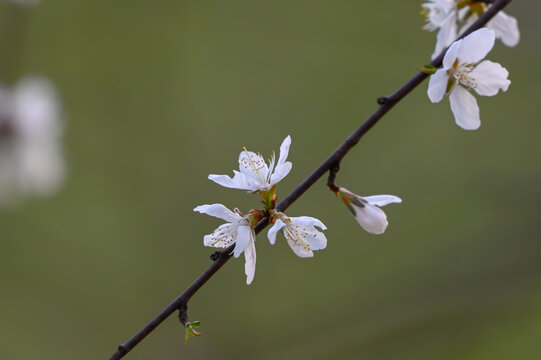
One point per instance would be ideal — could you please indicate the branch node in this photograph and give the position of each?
(183, 314)
(215, 255)
(383, 99)
(332, 177)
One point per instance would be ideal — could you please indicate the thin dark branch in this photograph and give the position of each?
(221, 257)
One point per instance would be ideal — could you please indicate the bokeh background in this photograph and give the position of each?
(158, 94)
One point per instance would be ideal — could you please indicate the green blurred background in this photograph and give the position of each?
(158, 94)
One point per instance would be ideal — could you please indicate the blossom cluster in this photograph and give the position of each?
(303, 233)
(452, 17)
(463, 69)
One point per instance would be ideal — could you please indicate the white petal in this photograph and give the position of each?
(315, 238)
(301, 249)
(271, 234)
(219, 211)
(437, 85)
(249, 265)
(237, 182)
(308, 221)
(371, 218)
(468, 22)
(451, 55)
(303, 237)
(476, 46)
(222, 237)
(446, 35)
(465, 108)
(245, 234)
(280, 172)
(253, 166)
(284, 150)
(382, 200)
(506, 28)
(490, 77)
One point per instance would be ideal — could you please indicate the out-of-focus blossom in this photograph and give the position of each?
(505, 26)
(31, 159)
(452, 17)
(442, 15)
(24, 2)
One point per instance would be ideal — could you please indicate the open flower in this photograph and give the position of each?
(255, 174)
(31, 161)
(460, 73)
(442, 15)
(300, 232)
(238, 229)
(366, 209)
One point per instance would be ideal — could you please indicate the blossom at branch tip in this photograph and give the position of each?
(31, 159)
(238, 230)
(254, 174)
(366, 210)
(300, 232)
(462, 71)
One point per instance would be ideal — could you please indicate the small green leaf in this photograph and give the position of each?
(189, 328)
(428, 69)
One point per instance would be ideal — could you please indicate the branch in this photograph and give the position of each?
(221, 257)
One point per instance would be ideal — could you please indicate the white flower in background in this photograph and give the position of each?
(460, 74)
(31, 160)
(442, 15)
(300, 232)
(238, 230)
(366, 209)
(448, 15)
(25, 2)
(505, 26)
(254, 173)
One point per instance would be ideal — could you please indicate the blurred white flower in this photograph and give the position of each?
(460, 73)
(31, 159)
(442, 15)
(238, 230)
(254, 173)
(25, 2)
(366, 209)
(300, 232)
(505, 26)
(449, 15)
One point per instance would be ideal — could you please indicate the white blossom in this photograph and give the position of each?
(505, 26)
(238, 230)
(452, 17)
(366, 210)
(31, 160)
(462, 71)
(254, 174)
(300, 232)
(25, 2)
(442, 15)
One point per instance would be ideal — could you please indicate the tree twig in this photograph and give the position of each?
(221, 257)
